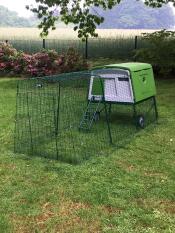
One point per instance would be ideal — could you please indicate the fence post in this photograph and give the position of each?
(135, 45)
(86, 48)
(136, 42)
(44, 43)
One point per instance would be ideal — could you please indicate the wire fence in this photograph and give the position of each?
(119, 47)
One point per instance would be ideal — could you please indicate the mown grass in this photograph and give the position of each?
(131, 190)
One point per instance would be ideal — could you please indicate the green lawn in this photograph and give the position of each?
(130, 190)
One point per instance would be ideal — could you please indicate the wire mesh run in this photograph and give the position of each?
(55, 118)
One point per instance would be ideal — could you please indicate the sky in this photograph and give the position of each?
(19, 6)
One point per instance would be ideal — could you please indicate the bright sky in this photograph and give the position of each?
(18, 6)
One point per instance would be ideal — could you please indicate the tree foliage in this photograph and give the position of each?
(160, 52)
(79, 13)
(11, 19)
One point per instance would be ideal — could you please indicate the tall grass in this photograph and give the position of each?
(66, 33)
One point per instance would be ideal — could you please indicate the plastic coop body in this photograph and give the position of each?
(122, 83)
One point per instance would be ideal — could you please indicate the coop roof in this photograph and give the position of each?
(131, 66)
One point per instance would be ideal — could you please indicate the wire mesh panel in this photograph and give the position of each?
(75, 144)
(147, 110)
(49, 111)
(35, 120)
(56, 119)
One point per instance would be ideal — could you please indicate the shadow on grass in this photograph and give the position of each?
(75, 147)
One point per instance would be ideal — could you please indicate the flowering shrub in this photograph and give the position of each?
(41, 63)
(46, 62)
(71, 61)
(7, 57)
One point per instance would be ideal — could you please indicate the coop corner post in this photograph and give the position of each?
(58, 108)
(15, 128)
(30, 126)
(106, 112)
(56, 115)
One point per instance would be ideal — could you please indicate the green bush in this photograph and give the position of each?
(160, 52)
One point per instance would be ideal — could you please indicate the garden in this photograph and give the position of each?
(126, 189)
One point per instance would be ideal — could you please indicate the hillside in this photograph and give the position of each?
(129, 14)
(11, 19)
(133, 14)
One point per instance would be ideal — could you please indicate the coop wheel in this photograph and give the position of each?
(141, 121)
(97, 116)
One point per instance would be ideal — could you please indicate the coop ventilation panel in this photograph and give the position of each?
(117, 86)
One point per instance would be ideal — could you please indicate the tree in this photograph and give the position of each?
(79, 13)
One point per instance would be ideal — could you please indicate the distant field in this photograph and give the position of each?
(63, 33)
(111, 43)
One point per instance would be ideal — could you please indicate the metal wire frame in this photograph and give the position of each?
(49, 111)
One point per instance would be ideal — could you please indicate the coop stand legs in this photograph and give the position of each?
(135, 114)
(110, 109)
(155, 107)
(106, 112)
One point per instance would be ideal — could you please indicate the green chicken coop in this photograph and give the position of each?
(73, 116)
(126, 83)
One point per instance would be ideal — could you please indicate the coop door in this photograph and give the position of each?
(96, 89)
(124, 89)
(110, 89)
